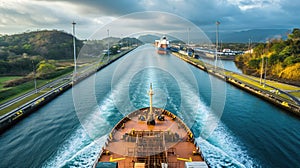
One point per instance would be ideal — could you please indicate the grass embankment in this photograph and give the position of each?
(5, 79)
(279, 85)
(7, 94)
(296, 94)
(22, 89)
(254, 81)
(23, 101)
(293, 90)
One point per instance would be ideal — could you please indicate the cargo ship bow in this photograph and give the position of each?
(150, 138)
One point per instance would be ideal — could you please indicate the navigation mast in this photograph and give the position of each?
(151, 119)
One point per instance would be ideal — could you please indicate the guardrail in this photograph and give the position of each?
(24, 110)
(17, 114)
(290, 105)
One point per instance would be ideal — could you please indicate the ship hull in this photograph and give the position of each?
(162, 45)
(134, 143)
(162, 51)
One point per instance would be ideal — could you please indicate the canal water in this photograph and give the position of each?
(226, 64)
(232, 128)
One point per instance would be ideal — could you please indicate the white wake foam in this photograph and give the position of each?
(83, 146)
(78, 151)
(220, 147)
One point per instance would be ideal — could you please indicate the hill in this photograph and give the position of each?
(148, 38)
(256, 35)
(21, 53)
(279, 58)
(47, 44)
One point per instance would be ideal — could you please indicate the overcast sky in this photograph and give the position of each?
(18, 16)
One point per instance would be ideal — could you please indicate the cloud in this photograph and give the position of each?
(103, 7)
(141, 22)
(18, 16)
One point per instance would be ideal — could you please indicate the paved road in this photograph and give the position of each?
(48, 85)
(81, 74)
(296, 100)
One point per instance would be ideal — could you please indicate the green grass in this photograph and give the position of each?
(19, 90)
(16, 91)
(197, 61)
(282, 86)
(278, 85)
(254, 81)
(296, 94)
(20, 103)
(13, 92)
(6, 78)
(285, 96)
(257, 84)
(249, 81)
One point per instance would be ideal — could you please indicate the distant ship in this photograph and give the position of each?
(150, 138)
(162, 45)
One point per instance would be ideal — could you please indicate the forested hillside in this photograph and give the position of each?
(20, 52)
(279, 58)
(48, 44)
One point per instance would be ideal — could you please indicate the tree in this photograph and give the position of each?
(283, 58)
(3, 55)
(287, 51)
(288, 61)
(274, 59)
(254, 63)
(45, 67)
(259, 50)
(278, 47)
(291, 72)
(295, 35)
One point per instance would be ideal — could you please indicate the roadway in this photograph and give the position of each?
(30, 93)
(58, 86)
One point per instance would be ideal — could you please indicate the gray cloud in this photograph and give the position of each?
(90, 14)
(104, 7)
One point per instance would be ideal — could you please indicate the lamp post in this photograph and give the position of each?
(188, 49)
(266, 63)
(74, 47)
(249, 47)
(217, 40)
(265, 75)
(34, 76)
(107, 45)
(261, 70)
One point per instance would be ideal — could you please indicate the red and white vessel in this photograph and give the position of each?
(162, 45)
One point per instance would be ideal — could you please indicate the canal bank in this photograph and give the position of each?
(272, 97)
(13, 117)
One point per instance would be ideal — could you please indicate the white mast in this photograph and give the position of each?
(151, 119)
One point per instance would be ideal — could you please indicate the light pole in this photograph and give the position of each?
(74, 47)
(34, 76)
(217, 40)
(249, 47)
(188, 40)
(122, 41)
(265, 72)
(107, 45)
(261, 70)
(266, 63)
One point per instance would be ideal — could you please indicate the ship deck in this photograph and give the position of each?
(133, 143)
